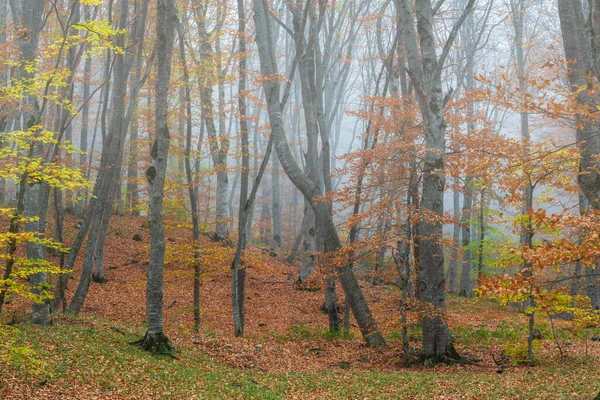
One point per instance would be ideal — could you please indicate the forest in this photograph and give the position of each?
(308, 199)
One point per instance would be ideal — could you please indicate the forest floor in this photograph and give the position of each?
(287, 351)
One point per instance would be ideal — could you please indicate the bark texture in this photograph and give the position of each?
(155, 339)
(425, 68)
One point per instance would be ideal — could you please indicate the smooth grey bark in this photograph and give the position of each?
(576, 281)
(580, 41)
(309, 244)
(132, 173)
(276, 186)
(59, 301)
(238, 273)
(193, 196)
(98, 253)
(84, 133)
(466, 287)
(425, 68)
(265, 215)
(218, 143)
(453, 264)
(305, 184)
(249, 225)
(40, 310)
(155, 339)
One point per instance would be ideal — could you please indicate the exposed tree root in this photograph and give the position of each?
(156, 343)
(450, 357)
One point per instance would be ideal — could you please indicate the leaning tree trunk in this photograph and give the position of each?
(309, 189)
(155, 340)
(112, 152)
(112, 148)
(31, 13)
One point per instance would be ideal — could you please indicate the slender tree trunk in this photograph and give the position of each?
(85, 120)
(276, 204)
(238, 273)
(453, 264)
(132, 171)
(466, 287)
(481, 224)
(35, 251)
(59, 302)
(190, 179)
(218, 144)
(155, 340)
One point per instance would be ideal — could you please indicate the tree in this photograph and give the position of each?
(155, 340)
(99, 209)
(581, 51)
(218, 143)
(425, 68)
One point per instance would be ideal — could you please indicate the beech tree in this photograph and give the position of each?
(309, 188)
(580, 46)
(155, 340)
(425, 71)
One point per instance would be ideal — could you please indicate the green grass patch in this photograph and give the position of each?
(85, 355)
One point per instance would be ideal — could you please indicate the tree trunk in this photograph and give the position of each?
(309, 188)
(35, 251)
(466, 287)
(309, 244)
(155, 339)
(453, 265)
(426, 68)
(218, 144)
(276, 204)
(85, 120)
(190, 179)
(481, 224)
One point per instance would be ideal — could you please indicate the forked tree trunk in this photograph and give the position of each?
(309, 188)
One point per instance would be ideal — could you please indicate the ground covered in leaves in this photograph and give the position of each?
(287, 351)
